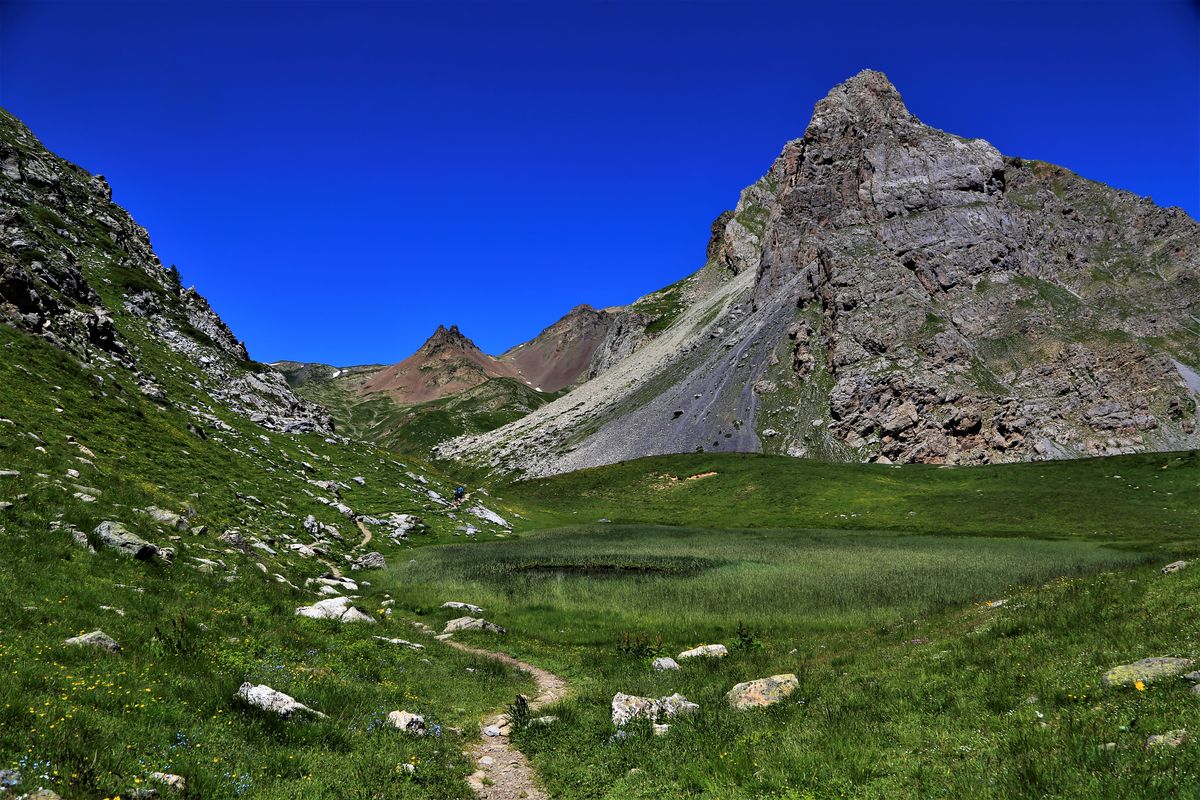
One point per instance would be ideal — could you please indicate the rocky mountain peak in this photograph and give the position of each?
(868, 100)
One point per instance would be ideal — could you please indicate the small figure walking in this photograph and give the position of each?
(459, 494)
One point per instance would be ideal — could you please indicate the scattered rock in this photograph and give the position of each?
(626, 707)
(472, 624)
(665, 663)
(95, 639)
(705, 650)
(335, 608)
(1168, 739)
(660, 730)
(117, 536)
(491, 731)
(487, 515)
(175, 782)
(164, 517)
(370, 560)
(463, 606)
(9, 473)
(1174, 566)
(762, 692)
(406, 722)
(267, 699)
(548, 720)
(401, 643)
(1148, 669)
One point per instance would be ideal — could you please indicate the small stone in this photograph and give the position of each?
(661, 730)
(491, 730)
(665, 663)
(543, 721)
(95, 639)
(1174, 566)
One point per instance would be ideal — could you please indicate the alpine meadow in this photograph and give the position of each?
(895, 495)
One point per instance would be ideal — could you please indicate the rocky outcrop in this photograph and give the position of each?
(76, 270)
(892, 292)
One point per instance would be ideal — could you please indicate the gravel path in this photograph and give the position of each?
(503, 773)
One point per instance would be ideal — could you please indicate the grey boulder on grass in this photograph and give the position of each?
(762, 692)
(267, 699)
(98, 639)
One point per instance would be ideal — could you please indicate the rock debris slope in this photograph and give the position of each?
(892, 292)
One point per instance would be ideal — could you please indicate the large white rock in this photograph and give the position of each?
(705, 650)
(268, 699)
(626, 707)
(335, 608)
(409, 723)
(762, 692)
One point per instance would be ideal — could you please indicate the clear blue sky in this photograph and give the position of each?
(340, 178)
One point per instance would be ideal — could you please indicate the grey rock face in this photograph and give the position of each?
(914, 296)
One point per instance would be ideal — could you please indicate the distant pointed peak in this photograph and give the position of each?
(868, 100)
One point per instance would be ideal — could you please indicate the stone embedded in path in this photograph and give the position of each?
(472, 624)
(1146, 670)
(372, 560)
(1168, 739)
(406, 722)
(95, 639)
(335, 608)
(491, 731)
(665, 663)
(705, 650)
(1174, 566)
(267, 699)
(462, 606)
(626, 707)
(762, 692)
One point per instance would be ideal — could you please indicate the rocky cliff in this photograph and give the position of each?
(889, 291)
(76, 270)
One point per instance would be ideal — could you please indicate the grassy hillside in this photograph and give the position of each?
(1152, 499)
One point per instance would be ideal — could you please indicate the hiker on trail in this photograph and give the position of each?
(459, 494)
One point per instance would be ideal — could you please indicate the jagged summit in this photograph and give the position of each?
(445, 337)
(867, 100)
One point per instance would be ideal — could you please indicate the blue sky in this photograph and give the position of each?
(338, 179)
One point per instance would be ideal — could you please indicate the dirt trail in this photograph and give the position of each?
(366, 532)
(508, 774)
